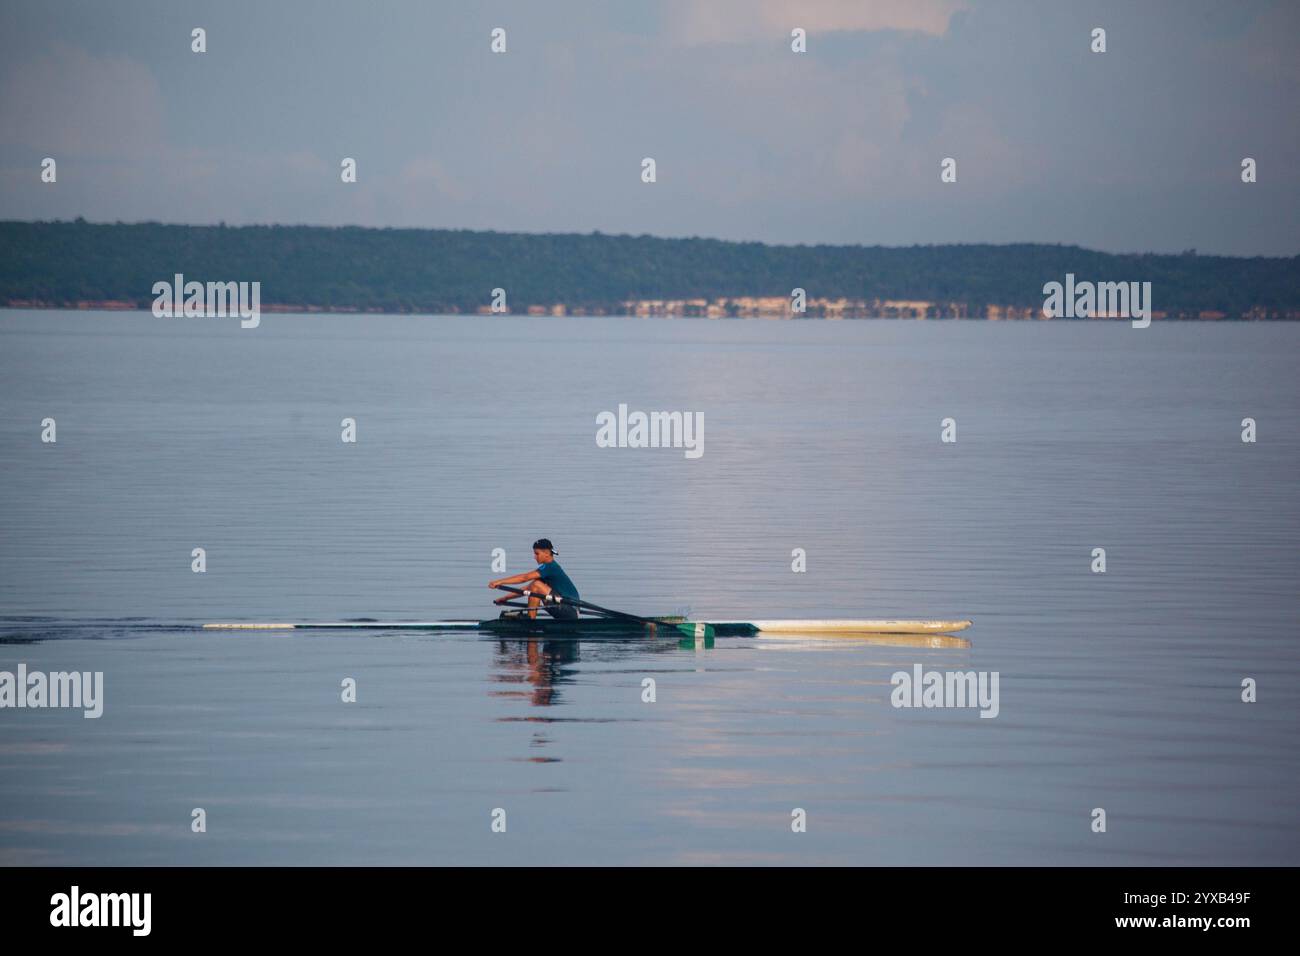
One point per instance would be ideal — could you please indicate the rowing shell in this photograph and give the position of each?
(609, 627)
(833, 626)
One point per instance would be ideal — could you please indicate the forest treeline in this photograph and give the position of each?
(432, 270)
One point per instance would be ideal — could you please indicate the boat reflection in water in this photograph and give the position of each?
(545, 664)
(539, 666)
(847, 639)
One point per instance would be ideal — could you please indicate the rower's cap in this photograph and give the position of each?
(545, 545)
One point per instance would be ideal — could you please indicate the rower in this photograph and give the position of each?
(548, 579)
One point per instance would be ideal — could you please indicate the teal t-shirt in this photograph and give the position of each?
(553, 575)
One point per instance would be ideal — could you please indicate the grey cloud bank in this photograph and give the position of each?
(1135, 149)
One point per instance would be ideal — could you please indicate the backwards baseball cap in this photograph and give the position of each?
(545, 545)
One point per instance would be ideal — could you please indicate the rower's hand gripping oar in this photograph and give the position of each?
(689, 628)
(574, 602)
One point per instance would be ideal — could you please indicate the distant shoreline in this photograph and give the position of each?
(281, 309)
(351, 270)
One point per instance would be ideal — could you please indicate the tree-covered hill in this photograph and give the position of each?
(428, 270)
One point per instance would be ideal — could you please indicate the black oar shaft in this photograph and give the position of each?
(574, 602)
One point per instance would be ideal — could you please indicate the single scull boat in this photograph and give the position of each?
(595, 626)
(603, 622)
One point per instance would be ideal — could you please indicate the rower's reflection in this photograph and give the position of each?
(546, 666)
(543, 665)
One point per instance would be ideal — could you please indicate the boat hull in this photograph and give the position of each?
(595, 627)
(831, 626)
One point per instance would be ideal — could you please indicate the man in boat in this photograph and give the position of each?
(549, 578)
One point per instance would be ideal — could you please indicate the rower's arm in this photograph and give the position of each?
(515, 579)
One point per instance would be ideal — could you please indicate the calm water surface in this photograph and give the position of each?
(1118, 690)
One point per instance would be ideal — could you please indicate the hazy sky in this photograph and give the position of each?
(1138, 148)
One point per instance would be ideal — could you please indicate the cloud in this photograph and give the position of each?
(1267, 48)
(67, 101)
(426, 173)
(744, 21)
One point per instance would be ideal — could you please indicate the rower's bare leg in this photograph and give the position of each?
(537, 590)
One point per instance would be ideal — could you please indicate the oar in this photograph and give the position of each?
(691, 629)
(574, 602)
